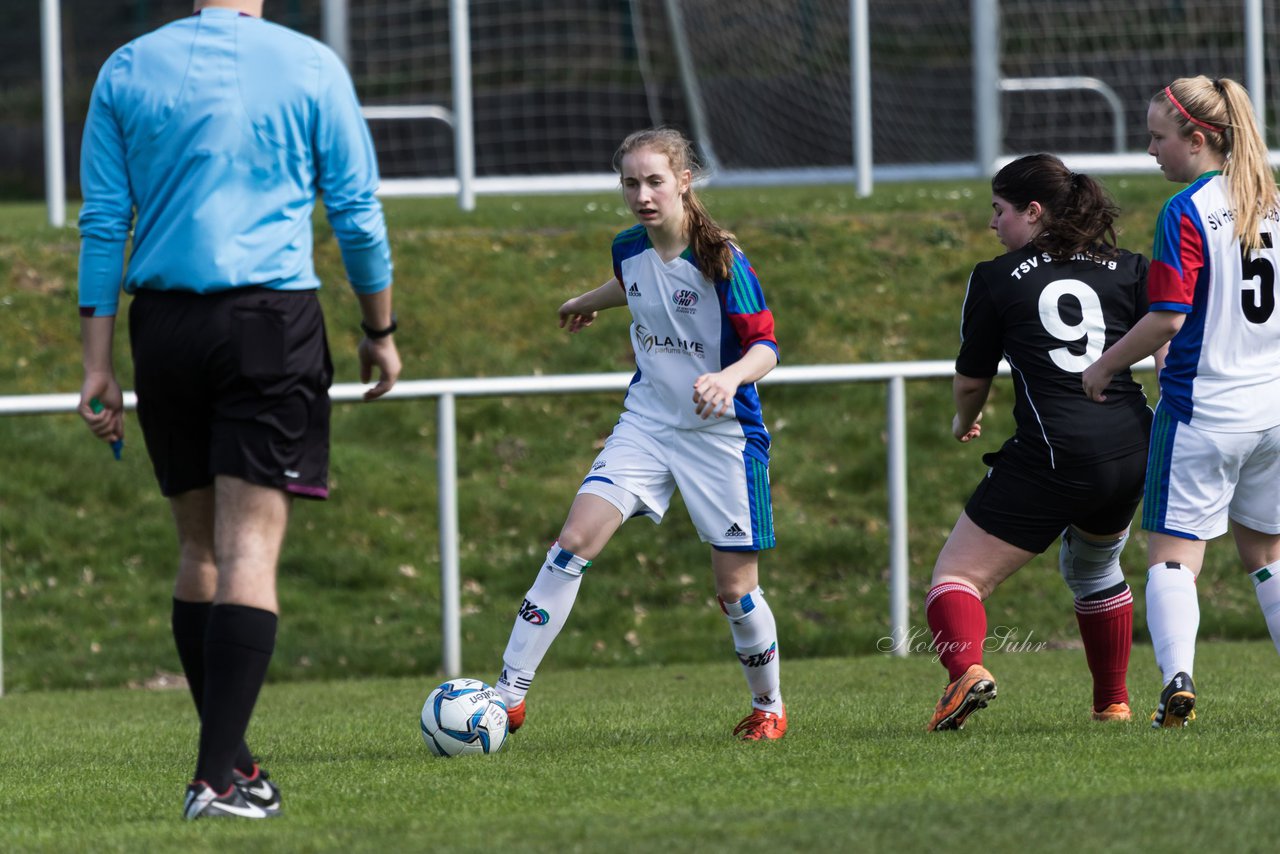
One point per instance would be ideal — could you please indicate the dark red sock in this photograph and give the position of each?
(958, 623)
(1106, 627)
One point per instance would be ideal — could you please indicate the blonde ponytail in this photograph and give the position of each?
(1221, 110)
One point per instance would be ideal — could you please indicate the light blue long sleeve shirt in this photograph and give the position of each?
(217, 131)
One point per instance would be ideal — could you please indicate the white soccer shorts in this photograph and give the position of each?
(725, 488)
(1198, 479)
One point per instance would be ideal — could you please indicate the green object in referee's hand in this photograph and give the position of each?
(117, 447)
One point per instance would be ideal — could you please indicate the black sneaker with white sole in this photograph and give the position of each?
(258, 788)
(1177, 703)
(203, 802)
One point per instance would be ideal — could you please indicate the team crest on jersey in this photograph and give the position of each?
(685, 301)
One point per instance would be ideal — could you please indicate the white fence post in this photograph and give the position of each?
(988, 133)
(1255, 73)
(335, 28)
(450, 575)
(464, 148)
(897, 475)
(55, 166)
(860, 57)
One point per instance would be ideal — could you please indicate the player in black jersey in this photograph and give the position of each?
(1073, 468)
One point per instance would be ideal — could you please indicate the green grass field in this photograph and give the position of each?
(641, 759)
(627, 746)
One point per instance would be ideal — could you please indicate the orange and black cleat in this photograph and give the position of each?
(971, 691)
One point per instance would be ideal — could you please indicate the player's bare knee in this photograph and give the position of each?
(736, 605)
(983, 588)
(1090, 566)
(576, 542)
(1256, 548)
(733, 592)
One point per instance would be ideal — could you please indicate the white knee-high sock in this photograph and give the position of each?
(542, 615)
(755, 639)
(1266, 584)
(1173, 618)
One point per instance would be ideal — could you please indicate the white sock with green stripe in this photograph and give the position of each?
(1266, 584)
(755, 639)
(542, 615)
(1173, 617)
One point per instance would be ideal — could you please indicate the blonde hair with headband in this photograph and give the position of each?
(1220, 110)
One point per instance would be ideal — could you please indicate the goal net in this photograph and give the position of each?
(1132, 52)
(555, 86)
(764, 86)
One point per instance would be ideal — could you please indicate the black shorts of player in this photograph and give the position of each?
(1028, 504)
(233, 383)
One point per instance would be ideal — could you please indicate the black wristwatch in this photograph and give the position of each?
(375, 334)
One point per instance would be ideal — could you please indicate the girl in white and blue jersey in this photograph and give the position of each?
(702, 336)
(1214, 458)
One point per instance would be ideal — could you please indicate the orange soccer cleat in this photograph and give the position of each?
(515, 716)
(761, 725)
(971, 691)
(1114, 712)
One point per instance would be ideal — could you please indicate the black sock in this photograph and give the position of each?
(189, 621)
(238, 645)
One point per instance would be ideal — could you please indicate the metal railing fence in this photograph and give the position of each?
(895, 374)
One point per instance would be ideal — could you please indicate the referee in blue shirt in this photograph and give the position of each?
(210, 138)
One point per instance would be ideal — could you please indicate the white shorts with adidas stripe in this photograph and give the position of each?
(724, 485)
(1197, 479)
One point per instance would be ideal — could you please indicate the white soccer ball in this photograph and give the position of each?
(464, 716)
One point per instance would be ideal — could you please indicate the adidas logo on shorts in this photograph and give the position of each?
(735, 531)
(634, 290)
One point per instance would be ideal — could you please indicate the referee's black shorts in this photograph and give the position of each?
(233, 383)
(1027, 504)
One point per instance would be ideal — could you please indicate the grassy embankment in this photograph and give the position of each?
(86, 546)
